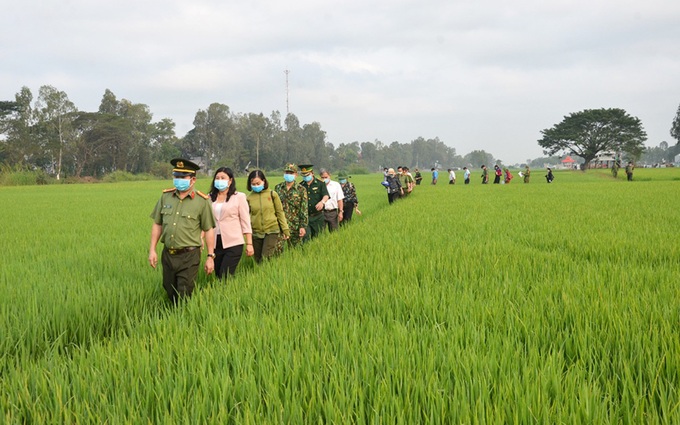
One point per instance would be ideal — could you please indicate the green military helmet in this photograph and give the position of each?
(290, 167)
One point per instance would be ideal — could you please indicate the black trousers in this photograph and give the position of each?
(347, 211)
(226, 259)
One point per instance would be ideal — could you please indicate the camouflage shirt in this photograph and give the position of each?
(294, 201)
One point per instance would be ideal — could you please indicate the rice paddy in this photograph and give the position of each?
(519, 303)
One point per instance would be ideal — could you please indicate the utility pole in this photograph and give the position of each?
(287, 107)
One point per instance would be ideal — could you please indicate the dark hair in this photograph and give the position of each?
(232, 184)
(260, 175)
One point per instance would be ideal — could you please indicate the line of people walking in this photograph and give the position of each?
(399, 184)
(226, 222)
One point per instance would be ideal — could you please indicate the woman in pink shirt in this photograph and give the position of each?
(233, 222)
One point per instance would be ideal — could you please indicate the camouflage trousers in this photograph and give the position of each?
(294, 241)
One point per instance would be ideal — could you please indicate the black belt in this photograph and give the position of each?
(334, 209)
(176, 251)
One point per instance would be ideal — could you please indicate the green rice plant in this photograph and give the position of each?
(461, 304)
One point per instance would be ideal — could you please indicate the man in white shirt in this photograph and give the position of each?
(452, 176)
(332, 211)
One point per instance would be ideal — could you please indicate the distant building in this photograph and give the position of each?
(567, 163)
(604, 160)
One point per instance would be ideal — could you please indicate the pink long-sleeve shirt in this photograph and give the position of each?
(233, 221)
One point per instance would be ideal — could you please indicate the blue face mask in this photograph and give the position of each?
(221, 185)
(326, 181)
(289, 178)
(343, 181)
(181, 184)
(257, 189)
(308, 178)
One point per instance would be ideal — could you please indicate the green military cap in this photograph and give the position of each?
(183, 167)
(290, 167)
(306, 168)
(343, 175)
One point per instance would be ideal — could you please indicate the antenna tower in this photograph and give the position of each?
(287, 108)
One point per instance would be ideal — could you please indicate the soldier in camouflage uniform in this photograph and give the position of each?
(294, 200)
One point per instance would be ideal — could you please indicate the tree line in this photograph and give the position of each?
(51, 134)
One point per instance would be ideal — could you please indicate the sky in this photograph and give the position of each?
(477, 74)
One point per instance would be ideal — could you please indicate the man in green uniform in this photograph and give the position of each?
(317, 195)
(180, 215)
(629, 171)
(527, 174)
(408, 181)
(294, 200)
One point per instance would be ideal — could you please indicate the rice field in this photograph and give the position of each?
(480, 304)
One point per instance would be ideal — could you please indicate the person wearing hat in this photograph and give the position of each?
(317, 195)
(294, 200)
(350, 203)
(179, 218)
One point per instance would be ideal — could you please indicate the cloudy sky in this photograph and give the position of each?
(478, 74)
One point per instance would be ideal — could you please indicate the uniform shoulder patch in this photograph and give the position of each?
(202, 195)
(172, 189)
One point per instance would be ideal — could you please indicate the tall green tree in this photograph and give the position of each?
(101, 143)
(164, 142)
(592, 131)
(675, 128)
(314, 142)
(135, 149)
(19, 145)
(292, 140)
(477, 158)
(214, 137)
(256, 138)
(109, 103)
(55, 114)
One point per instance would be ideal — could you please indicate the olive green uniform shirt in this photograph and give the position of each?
(183, 219)
(316, 190)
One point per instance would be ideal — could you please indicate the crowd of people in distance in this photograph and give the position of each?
(226, 221)
(400, 184)
(629, 170)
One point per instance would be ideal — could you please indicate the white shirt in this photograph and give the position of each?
(452, 175)
(335, 193)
